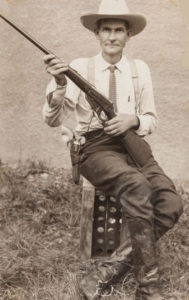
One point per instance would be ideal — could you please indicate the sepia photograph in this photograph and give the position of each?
(94, 143)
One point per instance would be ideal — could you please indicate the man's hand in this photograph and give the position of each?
(120, 124)
(56, 68)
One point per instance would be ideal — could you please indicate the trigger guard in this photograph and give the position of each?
(102, 116)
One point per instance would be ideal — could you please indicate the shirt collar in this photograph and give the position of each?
(103, 65)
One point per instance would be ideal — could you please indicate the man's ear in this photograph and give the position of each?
(129, 33)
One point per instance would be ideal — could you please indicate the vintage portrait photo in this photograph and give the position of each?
(94, 143)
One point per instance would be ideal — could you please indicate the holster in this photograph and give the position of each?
(75, 148)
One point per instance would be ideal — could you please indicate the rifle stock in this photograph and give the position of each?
(137, 148)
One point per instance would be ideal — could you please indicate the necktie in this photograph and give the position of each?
(112, 86)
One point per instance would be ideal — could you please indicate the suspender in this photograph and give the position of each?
(135, 79)
(134, 74)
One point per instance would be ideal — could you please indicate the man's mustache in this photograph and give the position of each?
(111, 44)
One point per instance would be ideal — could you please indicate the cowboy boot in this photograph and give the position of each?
(144, 260)
(109, 271)
(101, 279)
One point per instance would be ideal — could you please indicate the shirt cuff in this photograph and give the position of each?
(147, 125)
(59, 84)
(59, 87)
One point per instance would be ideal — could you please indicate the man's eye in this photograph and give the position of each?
(106, 29)
(119, 29)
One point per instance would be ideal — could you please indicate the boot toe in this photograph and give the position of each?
(99, 282)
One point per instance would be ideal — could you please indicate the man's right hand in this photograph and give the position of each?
(56, 68)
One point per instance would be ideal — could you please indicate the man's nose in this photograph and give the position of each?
(112, 36)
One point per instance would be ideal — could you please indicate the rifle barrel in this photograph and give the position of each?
(26, 35)
(81, 82)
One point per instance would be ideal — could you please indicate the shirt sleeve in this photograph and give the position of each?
(146, 108)
(66, 97)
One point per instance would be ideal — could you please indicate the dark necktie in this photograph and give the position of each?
(112, 86)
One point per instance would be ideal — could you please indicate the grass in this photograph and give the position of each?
(39, 239)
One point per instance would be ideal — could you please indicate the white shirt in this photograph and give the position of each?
(74, 98)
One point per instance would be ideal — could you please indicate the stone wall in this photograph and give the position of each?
(23, 79)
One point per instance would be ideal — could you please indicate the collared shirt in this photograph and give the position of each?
(73, 99)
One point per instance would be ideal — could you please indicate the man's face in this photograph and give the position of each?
(112, 35)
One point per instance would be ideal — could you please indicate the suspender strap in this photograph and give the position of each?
(135, 79)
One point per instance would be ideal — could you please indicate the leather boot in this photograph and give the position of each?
(144, 260)
(101, 279)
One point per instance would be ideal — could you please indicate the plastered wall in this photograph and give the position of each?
(23, 79)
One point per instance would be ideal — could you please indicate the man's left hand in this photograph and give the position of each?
(120, 124)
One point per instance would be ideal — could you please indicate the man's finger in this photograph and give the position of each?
(114, 132)
(47, 58)
(110, 128)
(56, 61)
(112, 121)
(57, 66)
(57, 72)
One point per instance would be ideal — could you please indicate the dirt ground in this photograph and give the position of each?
(39, 239)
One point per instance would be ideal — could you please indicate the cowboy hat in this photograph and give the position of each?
(114, 9)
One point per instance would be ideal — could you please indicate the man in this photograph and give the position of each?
(148, 197)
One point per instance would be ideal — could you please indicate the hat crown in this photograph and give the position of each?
(117, 7)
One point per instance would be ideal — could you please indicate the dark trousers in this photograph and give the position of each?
(145, 193)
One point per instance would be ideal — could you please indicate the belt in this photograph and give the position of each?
(93, 134)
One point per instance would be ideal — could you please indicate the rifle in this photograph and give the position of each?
(137, 148)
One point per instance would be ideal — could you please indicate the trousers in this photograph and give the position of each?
(145, 193)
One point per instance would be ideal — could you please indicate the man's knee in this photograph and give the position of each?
(135, 199)
(167, 214)
(173, 207)
(138, 187)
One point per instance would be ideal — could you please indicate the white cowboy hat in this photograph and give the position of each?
(115, 9)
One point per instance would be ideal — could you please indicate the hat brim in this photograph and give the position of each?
(137, 22)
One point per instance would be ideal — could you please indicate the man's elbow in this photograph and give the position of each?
(52, 122)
